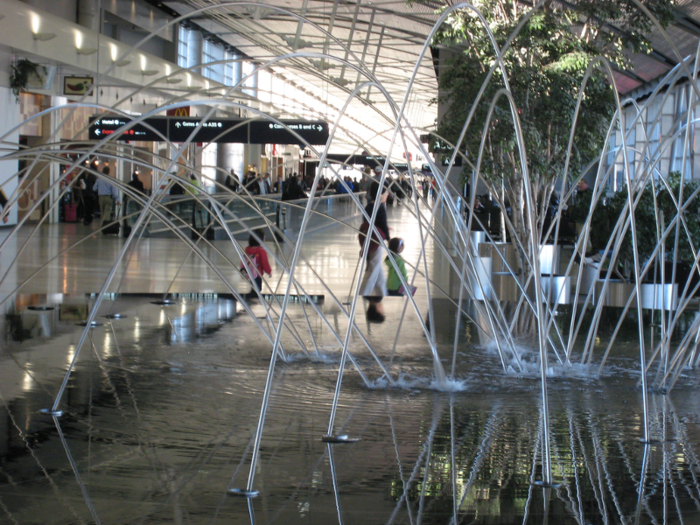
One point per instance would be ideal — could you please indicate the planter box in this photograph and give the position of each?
(617, 293)
(557, 289)
(654, 296)
(659, 296)
(550, 255)
(483, 291)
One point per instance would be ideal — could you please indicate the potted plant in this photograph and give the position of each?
(22, 71)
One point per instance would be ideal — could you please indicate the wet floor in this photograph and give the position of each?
(161, 412)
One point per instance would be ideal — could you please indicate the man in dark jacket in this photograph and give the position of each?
(292, 190)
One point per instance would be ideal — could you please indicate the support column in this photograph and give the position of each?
(252, 155)
(88, 15)
(228, 157)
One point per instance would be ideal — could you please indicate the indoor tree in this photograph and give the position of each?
(546, 61)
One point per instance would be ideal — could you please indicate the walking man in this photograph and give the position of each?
(106, 193)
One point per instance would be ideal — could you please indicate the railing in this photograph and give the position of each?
(243, 213)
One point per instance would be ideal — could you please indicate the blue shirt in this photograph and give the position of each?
(102, 187)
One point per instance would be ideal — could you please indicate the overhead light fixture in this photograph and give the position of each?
(295, 43)
(36, 26)
(86, 51)
(258, 12)
(340, 81)
(321, 65)
(149, 72)
(43, 37)
(174, 80)
(114, 52)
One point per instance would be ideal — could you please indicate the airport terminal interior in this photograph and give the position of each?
(333, 261)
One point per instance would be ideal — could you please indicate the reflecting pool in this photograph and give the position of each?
(161, 411)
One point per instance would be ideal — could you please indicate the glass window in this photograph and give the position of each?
(213, 53)
(228, 69)
(681, 119)
(265, 86)
(182, 46)
(653, 128)
(251, 81)
(277, 95)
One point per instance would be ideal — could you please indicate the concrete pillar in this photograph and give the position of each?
(252, 155)
(89, 15)
(228, 156)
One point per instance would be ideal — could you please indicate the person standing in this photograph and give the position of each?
(137, 186)
(249, 182)
(107, 194)
(3, 206)
(264, 184)
(293, 190)
(232, 182)
(136, 183)
(89, 197)
(366, 179)
(373, 285)
(194, 181)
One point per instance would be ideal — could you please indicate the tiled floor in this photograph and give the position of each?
(65, 258)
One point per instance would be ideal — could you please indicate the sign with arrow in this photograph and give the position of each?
(181, 129)
(298, 132)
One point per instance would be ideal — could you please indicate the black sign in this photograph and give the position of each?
(212, 130)
(446, 161)
(439, 146)
(266, 132)
(150, 130)
(179, 129)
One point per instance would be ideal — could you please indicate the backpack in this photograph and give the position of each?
(374, 243)
(253, 263)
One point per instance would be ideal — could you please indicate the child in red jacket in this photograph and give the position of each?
(256, 260)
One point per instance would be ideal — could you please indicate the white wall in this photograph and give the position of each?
(66, 9)
(8, 168)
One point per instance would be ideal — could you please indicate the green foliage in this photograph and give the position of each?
(651, 219)
(22, 69)
(546, 64)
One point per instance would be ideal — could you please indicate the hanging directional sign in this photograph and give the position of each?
(181, 129)
(266, 132)
(150, 130)
(211, 130)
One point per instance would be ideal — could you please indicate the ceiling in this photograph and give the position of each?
(366, 40)
(383, 39)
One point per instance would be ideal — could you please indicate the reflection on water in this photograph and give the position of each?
(158, 427)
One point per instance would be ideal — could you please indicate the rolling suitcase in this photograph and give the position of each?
(70, 212)
(113, 228)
